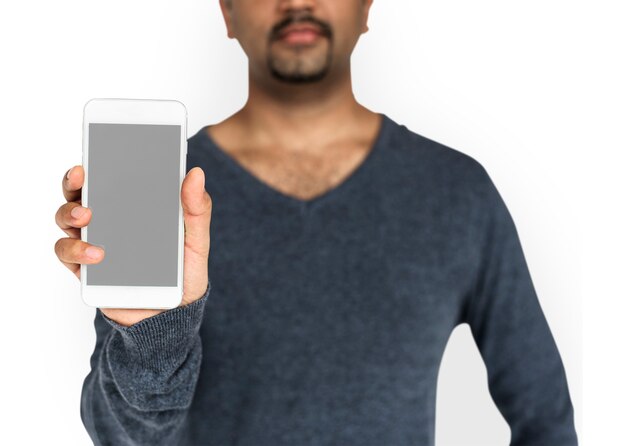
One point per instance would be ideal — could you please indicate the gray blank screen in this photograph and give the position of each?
(133, 193)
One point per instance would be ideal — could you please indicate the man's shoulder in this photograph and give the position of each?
(425, 158)
(197, 140)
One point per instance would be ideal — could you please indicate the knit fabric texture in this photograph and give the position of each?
(325, 320)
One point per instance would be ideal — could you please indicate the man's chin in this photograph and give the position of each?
(299, 78)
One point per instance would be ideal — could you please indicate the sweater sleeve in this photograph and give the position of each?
(526, 376)
(143, 377)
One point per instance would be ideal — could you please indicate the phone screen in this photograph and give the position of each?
(133, 192)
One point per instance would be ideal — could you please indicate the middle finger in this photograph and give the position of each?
(71, 216)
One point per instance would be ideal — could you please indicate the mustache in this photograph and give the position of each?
(325, 29)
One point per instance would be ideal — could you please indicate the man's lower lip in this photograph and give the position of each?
(300, 37)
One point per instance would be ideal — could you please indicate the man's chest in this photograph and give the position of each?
(303, 175)
(347, 273)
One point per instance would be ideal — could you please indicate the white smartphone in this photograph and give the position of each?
(134, 158)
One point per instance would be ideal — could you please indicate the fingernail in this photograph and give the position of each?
(68, 173)
(93, 252)
(78, 211)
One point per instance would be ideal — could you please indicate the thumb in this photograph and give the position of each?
(197, 206)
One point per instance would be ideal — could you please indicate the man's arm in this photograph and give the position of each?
(526, 376)
(143, 377)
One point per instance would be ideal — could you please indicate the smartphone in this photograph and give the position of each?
(134, 158)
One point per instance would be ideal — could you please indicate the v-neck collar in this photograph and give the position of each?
(257, 185)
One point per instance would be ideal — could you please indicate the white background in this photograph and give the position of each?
(534, 90)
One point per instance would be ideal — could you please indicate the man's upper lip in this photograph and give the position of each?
(300, 27)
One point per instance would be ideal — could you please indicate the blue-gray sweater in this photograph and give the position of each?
(325, 320)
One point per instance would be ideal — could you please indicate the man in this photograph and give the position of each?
(345, 249)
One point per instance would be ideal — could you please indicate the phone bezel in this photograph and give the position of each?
(134, 111)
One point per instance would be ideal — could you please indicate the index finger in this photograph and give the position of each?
(73, 182)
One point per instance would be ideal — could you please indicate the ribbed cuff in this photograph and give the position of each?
(161, 342)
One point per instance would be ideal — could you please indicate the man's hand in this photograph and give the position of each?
(197, 207)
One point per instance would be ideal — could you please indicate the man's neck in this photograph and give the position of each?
(301, 117)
